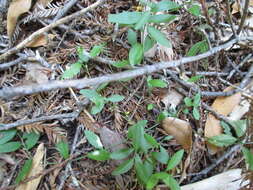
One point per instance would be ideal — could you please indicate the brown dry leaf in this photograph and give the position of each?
(16, 8)
(88, 121)
(180, 130)
(224, 106)
(172, 99)
(37, 167)
(165, 53)
(41, 40)
(36, 73)
(112, 141)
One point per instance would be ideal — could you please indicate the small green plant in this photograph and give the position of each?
(152, 83)
(99, 100)
(192, 106)
(75, 68)
(143, 156)
(63, 149)
(6, 145)
(238, 128)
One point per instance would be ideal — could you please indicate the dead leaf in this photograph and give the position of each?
(37, 167)
(41, 40)
(172, 99)
(16, 8)
(112, 141)
(165, 53)
(180, 130)
(36, 73)
(151, 52)
(229, 180)
(224, 106)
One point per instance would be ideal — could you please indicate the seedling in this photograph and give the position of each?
(192, 106)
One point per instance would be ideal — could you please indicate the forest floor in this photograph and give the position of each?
(169, 82)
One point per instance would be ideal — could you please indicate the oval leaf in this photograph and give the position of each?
(6, 136)
(93, 139)
(99, 155)
(121, 154)
(9, 147)
(175, 160)
(136, 54)
(159, 37)
(124, 167)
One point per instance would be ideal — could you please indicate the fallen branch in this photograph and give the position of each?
(38, 119)
(47, 28)
(9, 92)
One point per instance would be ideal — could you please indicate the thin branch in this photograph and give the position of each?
(38, 119)
(7, 65)
(65, 9)
(9, 92)
(244, 16)
(49, 27)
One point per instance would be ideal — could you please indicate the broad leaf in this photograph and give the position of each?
(171, 182)
(159, 36)
(63, 149)
(222, 140)
(175, 160)
(31, 139)
(148, 43)
(161, 156)
(131, 37)
(196, 100)
(195, 10)
(188, 102)
(99, 155)
(115, 98)
(248, 156)
(7, 135)
(121, 64)
(72, 71)
(154, 179)
(24, 171)
(161, 18)
(124, 167)
(157, 83)
(93, 139)
(136, 54)
(199, 47)
(144, 19)
(96, 50)
(121, 154)
(9, 147)
(140, 169)
(195, 113)
(165, 5)
(125, 17)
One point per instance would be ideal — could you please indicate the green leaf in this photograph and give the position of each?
(196, 100)
(165, 5)
(102, 86)
(72, 71)
(93, 139)
(248, 156)
(121, 154)
(150, 107)
(140, 169)
(99, 155)
(222, 140)
(188, 102)
(157, 83)
(31, 139)
(196, 113)
(159, 37)
(171, 182)
(195, 78)
(131, 37)
(83, 58)
(175, 160)
(240, 127)
(162, 115)
(151, 140)
(7, 135)
(10, 147)
(24, 171)
(226, 128)
(136, 54)
(124, 167)
(96, 50)
(121, 64)
(154, 179)
(125, 17)
(98, 107)
(161, 156)
(115, 98)
(161, 18)
(144, 19)
(199, 47)
(148, 43)
(195, 10)
(92, 95)
(63, 149)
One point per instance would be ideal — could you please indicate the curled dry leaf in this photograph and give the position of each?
(16, 9)
(36, 73)
(172, 99)
(41, 40)
(37, 167)
(224, 106)
(112, 141)
(232, 180)
(180, 130)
